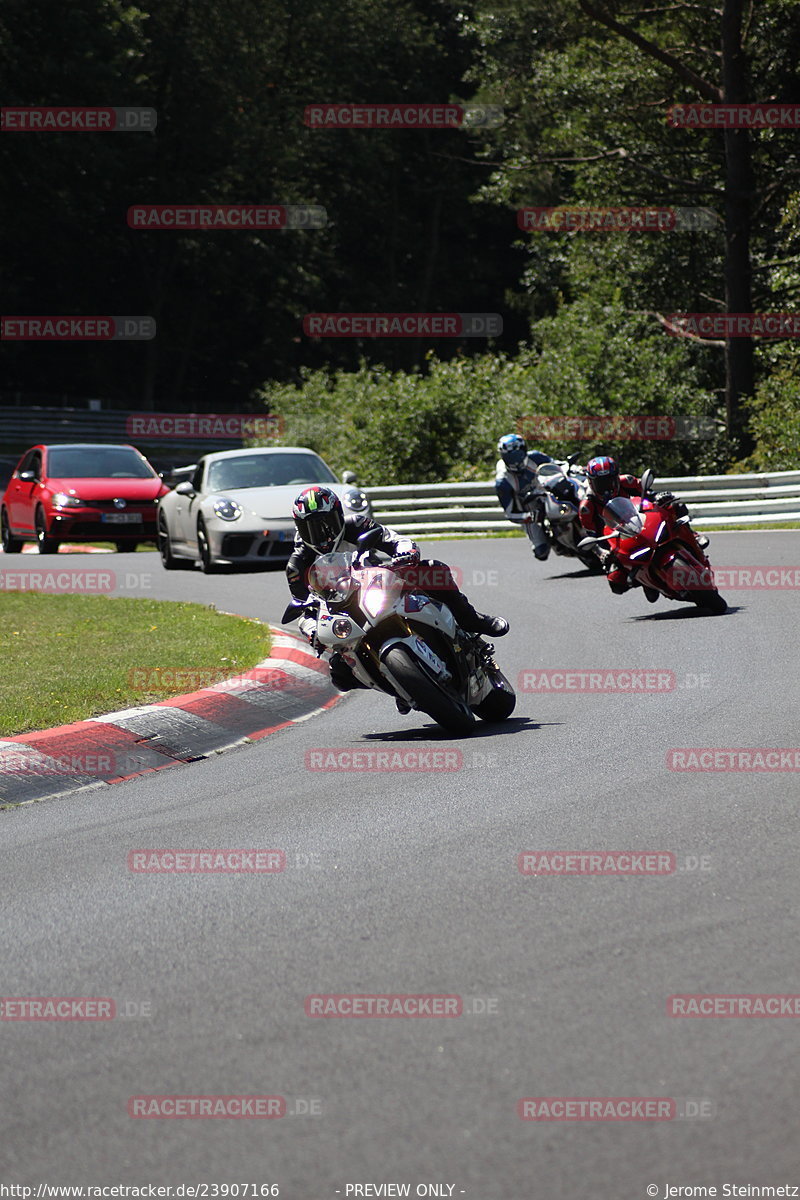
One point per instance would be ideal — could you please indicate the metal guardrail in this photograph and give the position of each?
(21, 427)
(441, 509)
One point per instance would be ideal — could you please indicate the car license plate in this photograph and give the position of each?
(121, 518)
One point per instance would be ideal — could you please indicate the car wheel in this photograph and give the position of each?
(168, 560)
(46, 543)
(204, 550)
(11, 544)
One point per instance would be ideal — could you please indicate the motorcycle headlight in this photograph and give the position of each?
(62, 500)
(355, 501)
(374, 599)
(342, 628)
(227, 510)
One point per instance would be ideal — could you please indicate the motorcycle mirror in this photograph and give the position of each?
(367, 540)
(349, 477)
(571, 458)
(647, 480)
(293, 610)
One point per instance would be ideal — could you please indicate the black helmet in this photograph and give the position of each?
(319, 517)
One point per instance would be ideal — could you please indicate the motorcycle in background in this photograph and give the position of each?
(644, 540)
(401, 641)
(553, 501)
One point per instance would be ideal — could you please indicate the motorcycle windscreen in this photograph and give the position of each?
(548, 472)
(621, 514)
(380, 590)
(331, 576)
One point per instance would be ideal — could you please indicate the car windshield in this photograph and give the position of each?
(97, 462)
(266, 470)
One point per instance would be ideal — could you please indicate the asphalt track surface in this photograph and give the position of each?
(407, 882)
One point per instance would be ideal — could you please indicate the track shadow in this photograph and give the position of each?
(584, 573)
(434, 733)
(686, 614)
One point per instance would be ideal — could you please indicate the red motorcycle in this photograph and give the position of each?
(647, 544)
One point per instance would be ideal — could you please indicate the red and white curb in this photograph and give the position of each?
(289, 686)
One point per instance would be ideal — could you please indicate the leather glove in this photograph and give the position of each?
(664, 498)
(407, 556)
(308, 628)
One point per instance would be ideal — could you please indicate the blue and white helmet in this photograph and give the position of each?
(513, 450)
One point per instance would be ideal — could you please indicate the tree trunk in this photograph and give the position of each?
(739, 368)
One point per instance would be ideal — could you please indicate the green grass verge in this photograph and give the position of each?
(66, 658)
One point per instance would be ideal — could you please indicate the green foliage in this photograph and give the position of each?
(590, 359)
(775, 420)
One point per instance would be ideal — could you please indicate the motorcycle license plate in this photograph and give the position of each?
(425, 652)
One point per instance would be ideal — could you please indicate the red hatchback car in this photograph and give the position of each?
(80, 493)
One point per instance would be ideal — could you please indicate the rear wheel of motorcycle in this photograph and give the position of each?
(451, 715)
(711, 601)
(498, 705)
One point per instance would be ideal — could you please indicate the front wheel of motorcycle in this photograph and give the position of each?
(446, 710)
(712, 602)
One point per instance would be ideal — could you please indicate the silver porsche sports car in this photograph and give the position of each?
(236, 508)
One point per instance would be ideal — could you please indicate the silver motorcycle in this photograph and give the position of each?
(554, 501)
(401, 641)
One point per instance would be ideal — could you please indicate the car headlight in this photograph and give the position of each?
(227, 510)
(355, 501)
(62, 500)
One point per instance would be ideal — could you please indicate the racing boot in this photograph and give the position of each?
(472, 621)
